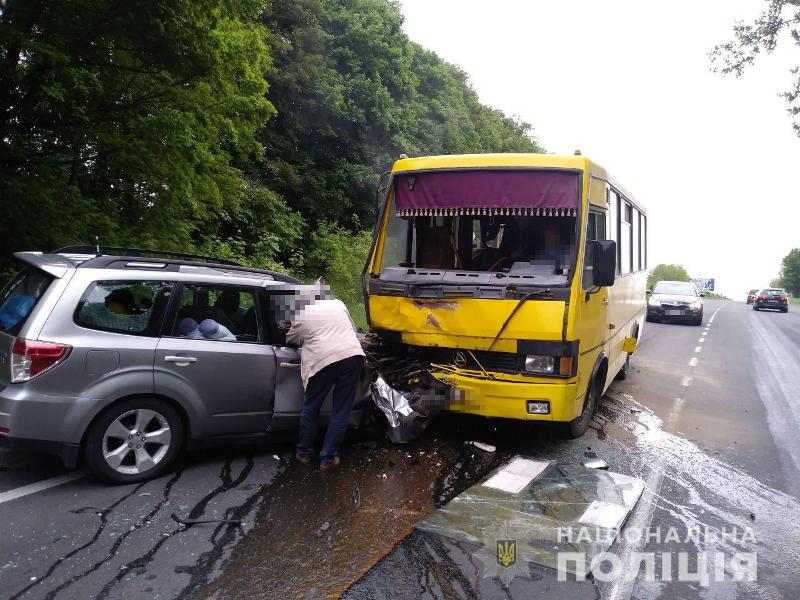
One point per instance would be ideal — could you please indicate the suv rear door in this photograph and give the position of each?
(222, 371)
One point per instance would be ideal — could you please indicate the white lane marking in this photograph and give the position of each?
(701, 340)
(39, 486)
(711, 320)
(642, 516)
(693, 362)
(698, 349)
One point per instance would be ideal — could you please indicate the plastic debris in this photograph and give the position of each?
(190, 522)
(407, 413)
(484, 447)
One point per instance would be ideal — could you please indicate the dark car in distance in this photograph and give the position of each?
(774, 298)
(675, 300)
(751, 296)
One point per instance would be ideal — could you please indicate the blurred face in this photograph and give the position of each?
(308, 294)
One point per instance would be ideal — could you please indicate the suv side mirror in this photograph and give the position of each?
(649, 292)
(702, 294)
(604, 262)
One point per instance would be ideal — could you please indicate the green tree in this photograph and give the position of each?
(781, 18)
(789, 277)
(664, 272)
(120, 122)
(156, 127)
(353, 92)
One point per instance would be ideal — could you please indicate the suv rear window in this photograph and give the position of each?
(773, 292)
(20, 296)
(121, 307)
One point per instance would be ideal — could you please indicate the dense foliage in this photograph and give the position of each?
(156, 126)
(789, 277)
(781, 18)
(664, 272)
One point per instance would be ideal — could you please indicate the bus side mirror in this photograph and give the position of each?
(604, 262)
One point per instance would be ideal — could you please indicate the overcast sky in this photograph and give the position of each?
(714, 159)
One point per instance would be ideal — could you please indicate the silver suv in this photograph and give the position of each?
(124, 357)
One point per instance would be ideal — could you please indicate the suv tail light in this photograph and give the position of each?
(762, 297)
(782, 298)
(30, 358)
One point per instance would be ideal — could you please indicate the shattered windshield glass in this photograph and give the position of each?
(546, 508)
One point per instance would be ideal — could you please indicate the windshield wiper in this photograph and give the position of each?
(522, 301)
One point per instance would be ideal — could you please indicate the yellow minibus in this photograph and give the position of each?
(520, 276)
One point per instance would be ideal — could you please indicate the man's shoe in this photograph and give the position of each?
(302, 459)
(329, 466)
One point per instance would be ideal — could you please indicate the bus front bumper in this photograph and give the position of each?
(510, 400)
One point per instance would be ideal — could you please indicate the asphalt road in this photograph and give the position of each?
(709, 418)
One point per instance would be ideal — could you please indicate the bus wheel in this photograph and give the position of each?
(578, 426)
(623, 372)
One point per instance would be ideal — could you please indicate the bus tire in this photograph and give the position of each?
(580, 425)
(622, 375)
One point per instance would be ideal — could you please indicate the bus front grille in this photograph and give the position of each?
(503, 362)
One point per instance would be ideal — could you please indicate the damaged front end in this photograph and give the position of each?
(471, 273)
(404, 389)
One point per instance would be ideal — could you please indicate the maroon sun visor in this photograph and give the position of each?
(483, 192)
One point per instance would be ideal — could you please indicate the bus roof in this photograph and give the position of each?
(510, 160)
(507, 160)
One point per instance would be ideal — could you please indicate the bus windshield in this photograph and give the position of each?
(519, 222)
(500, 244)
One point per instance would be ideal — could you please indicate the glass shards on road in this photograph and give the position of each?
(530, 511)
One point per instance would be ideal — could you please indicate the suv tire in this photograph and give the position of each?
(580, 425)
(134, 440)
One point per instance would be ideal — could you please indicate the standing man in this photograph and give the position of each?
(331, 358)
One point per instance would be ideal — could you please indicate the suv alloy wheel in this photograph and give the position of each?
(134, 440)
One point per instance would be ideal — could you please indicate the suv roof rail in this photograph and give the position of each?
(143, 253)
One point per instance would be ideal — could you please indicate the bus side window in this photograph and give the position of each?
(636, 246)
(644, 241)
(612, 225)
(595, 230)
(625, 236)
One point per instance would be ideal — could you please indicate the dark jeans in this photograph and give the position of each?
(343, 377)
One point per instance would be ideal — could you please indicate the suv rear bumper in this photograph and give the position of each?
(41, 422)
(68, 453)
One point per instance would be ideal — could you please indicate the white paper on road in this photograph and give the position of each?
(516, 475)
(604, 514)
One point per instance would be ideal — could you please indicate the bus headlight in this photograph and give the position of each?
(544, 365)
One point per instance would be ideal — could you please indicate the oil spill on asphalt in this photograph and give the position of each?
(468, 467)
(335, 525)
